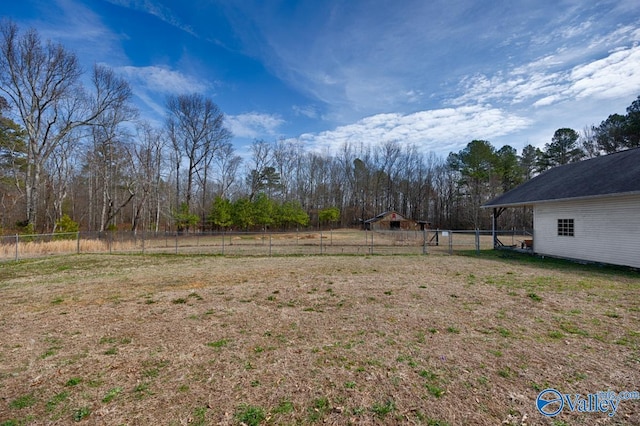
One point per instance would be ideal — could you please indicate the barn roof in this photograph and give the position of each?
(613, 174)
(383, 215)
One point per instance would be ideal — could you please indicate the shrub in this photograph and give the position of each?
(66, 227)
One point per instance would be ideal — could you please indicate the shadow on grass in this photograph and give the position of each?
(552, 263)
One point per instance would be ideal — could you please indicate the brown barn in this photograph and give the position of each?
(389, 221)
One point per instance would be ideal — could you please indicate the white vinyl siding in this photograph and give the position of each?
(606, 230)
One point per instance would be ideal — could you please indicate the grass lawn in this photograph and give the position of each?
(434, 340)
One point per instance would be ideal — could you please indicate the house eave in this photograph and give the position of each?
(529, 203)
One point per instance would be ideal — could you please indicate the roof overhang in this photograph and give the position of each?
(530, 203)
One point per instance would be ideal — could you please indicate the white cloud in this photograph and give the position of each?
(576, 30)
(307, 111)
(156, 9)
(440, 130)
(510, 89)
(620, 35)
(548, 100)
(162, 80)
(616, 74)
(613, 76)
(253, 124)
(537, 65)
(79, 29)
(152, 84)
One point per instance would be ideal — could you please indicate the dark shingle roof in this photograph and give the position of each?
(611, 174)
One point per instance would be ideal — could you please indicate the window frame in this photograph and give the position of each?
(566, 227)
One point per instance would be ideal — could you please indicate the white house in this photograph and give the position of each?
(589, 210)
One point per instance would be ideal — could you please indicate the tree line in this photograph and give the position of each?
(74, 153)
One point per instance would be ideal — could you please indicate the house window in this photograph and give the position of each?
(565, 227)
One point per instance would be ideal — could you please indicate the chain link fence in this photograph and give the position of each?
(265, 243)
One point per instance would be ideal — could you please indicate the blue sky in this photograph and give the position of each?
(435, 73)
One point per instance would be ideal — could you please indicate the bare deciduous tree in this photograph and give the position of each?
(42, 81)
(112, 152)
(195, 126)
(261, 161)
(147, 162)
(60, 166)
(227, 163)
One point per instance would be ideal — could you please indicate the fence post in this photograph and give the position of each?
(494, 236)
(367, 247)
(477, 241)
(371, 251)
(143, 237)
(17, 242)
(450, 242)
(176, 242)
(269, 243)
(78, 243)
(424, 240)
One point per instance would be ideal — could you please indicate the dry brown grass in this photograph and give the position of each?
(340, 241)
(328, 339)
(36, 248)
